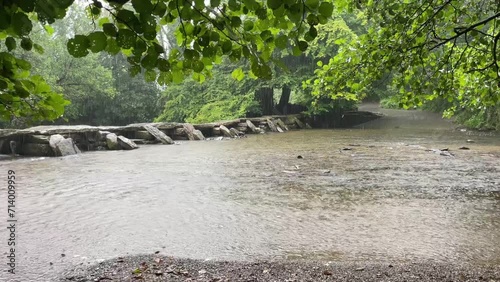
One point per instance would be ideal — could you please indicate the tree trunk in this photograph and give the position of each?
(265, 98)
(285, 97)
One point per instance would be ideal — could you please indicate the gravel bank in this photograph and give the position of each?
(162, 268)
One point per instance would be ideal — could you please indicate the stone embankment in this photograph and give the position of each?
(68, 140)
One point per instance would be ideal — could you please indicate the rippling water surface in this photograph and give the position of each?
(387, 199)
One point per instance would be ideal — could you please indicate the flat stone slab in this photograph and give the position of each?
(126, 143)
(159, 135)
(271, 125)
(252, 127)
(226, 132)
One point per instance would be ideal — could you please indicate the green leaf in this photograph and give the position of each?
(49, 29)
(126, 38)
(150, 76)
(109, 29)
(281, 41)
(143, 6)
(39, 49)
(238, 74)
(21, 24)
(312, 4)
(326, 9)
(98, 41)
(77, 46)
(274, 4)
(198, 66)
(11, 44)
(26, 44)
(302, 45)
(248, 25)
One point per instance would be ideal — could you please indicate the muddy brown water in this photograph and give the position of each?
(388, 199)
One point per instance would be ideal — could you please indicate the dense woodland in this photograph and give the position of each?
(120, 62)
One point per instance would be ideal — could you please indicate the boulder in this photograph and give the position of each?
(226, 132)
(36, 149)
(126, 144)
(55, 139)
(145, 134)
(235, 132)
(198, 135)
(158, 134)
(279, 129)
(252, 127)
(189, 130)
(63, 147)
(300, 124)
(112, 141)
(281, 124)
(271, 125)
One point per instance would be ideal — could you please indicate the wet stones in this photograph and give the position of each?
(226, 132)
(272, 125)
(157, 134)
(63, 146)
(112, 141)
(252, 127)
(198, 135)
(126, 143)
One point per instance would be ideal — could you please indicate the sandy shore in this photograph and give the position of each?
(162, 268)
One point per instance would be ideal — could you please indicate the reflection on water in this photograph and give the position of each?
(386, 199)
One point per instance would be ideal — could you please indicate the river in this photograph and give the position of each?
(388, 198)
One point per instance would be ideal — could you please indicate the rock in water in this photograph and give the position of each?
(252, 127)
(198, 135)
(300, 124)
(235, 132)
(272, 126)
(112, 141)
(55, 139)
(281, 124)
(159, 135)
(226, 131)
(63, 147)
(126, 144)
(189, 129)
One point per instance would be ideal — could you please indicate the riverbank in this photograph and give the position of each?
(152, 268)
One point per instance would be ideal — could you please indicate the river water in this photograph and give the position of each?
(388, 199)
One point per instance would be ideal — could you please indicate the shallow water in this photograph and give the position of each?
(387, 199)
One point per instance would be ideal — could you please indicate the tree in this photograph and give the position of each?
(442, 49)
(205, 33)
